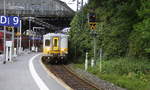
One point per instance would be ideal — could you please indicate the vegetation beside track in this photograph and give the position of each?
(124, 72)
(123, 30)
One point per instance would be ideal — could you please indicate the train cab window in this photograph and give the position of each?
(47, 42)
(55, 42)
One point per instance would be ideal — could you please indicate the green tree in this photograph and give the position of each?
(140, 38)
(122, 28)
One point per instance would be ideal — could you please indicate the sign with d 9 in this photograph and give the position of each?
(10, 21)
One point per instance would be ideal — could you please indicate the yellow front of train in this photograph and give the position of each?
(55, 46)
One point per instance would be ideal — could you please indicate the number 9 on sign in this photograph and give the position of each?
(15, 20)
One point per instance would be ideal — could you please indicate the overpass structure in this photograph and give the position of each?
(36, 8)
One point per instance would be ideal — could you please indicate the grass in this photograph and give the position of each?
(128, 73)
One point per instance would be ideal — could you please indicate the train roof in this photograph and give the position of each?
(55, 34)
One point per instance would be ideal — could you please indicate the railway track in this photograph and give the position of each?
(76, 83)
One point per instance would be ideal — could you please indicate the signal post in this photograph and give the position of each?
(92, 26)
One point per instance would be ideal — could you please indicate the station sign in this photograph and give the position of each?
(13, 21)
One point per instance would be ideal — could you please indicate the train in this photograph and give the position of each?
(26, 41)
(8, 38)
(55, 47)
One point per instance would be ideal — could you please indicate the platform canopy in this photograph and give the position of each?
(36, 8)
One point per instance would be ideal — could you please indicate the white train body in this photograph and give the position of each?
(55, 45)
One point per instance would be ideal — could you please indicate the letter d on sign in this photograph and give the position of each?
(3, 20)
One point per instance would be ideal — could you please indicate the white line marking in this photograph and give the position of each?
(35, 76)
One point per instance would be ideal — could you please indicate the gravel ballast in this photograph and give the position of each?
(101, 84)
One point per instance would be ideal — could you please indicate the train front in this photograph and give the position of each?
(55, 47)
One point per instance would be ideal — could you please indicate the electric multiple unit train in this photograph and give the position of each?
(55, 47)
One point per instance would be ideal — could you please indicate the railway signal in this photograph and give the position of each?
(92, 24)
(92, 21)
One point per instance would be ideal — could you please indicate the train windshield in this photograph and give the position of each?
(55, 42)
(47, 42)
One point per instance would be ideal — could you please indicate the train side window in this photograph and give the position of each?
(1, 41)
(47, 42)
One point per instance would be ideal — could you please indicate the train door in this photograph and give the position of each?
(55, 43)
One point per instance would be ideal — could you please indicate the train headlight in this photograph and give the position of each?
(62, 49)
(49, 49)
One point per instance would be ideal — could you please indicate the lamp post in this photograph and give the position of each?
(77, 5)
(4, 34)
(81, 4)
(20, 36)
(13, 31)
(29, 30)
(19, 29)
(33, 45)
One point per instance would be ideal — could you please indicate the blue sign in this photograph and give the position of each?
(10, 21)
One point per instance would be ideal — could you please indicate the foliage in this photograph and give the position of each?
(128, 73)
(122, 28)
(140, 37)
(125, 82)
(80, 36)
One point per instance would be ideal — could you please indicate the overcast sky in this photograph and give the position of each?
(72, 4)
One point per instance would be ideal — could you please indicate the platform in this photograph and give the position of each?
(27, 73)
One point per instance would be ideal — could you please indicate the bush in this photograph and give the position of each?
(125, 72)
